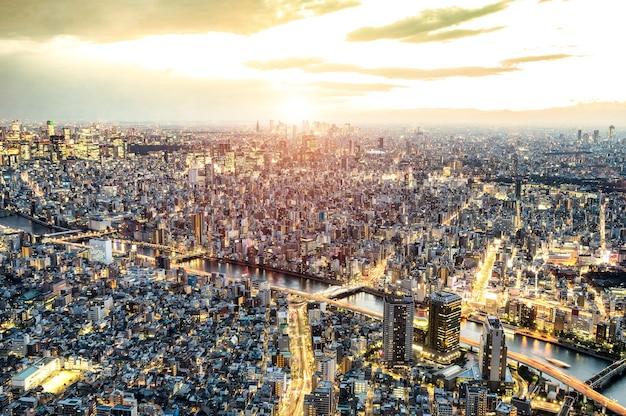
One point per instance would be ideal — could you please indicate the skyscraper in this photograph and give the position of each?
(50, 128)
(493, 351)
(444, 325)
(197, 227)
(398, 329)
(328, 367)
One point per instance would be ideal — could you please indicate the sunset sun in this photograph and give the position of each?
(295, 110)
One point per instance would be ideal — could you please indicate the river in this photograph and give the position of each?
(21, 223)
(582, 366)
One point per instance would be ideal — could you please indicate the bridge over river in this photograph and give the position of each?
(599, 380)
(550, 370)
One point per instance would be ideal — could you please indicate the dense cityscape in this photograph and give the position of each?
(319, 269)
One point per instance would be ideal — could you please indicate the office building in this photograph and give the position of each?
(328, 367)
(197, 227)
(444, 325)
(101, 250)
(323, 400)
(493, 351)
(398, 329)
(475, 400)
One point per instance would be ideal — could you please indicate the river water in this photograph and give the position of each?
(21, 223)
(582, 366)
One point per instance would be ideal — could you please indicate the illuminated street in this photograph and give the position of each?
(484, 274)
(60, 381)
(573, 382)
(301, 360)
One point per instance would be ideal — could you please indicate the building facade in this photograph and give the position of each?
(398, 330)
(444, 325)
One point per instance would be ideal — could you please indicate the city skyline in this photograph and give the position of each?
(479, 61)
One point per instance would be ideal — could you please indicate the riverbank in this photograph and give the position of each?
(42, 223)
(10, 213)
(552, 340)
(320, 279)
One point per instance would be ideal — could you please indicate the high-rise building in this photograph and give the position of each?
(324, 399)
(197, 227)
(309, 405)
(328, 367)
(596, 136)
(444, 325)
(398, 329)
(601, 330)
(493, 351)
(476, 400)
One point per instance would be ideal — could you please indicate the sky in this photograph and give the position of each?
(293, 60)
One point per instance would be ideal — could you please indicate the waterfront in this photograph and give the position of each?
(582, 366)
(21, 223)
(274, 278)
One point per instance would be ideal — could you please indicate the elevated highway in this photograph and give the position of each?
(553, 372)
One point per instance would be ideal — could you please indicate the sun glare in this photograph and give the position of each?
(295, 110)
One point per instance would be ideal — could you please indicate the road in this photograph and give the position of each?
(484, 274)
(571, 381)
(301, 361)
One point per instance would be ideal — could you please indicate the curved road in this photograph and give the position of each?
(573, 382)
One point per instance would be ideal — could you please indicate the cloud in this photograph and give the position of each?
(429, 26)
(36, 87)
(534, 58)
(446, 35)
(437, 73)
(42, 87)
(307, 64)
(350, 88)
(285, 63)
(319, 65)
(114, 20)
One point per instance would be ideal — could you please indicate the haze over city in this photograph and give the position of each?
(311, 207)
(339, 60)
